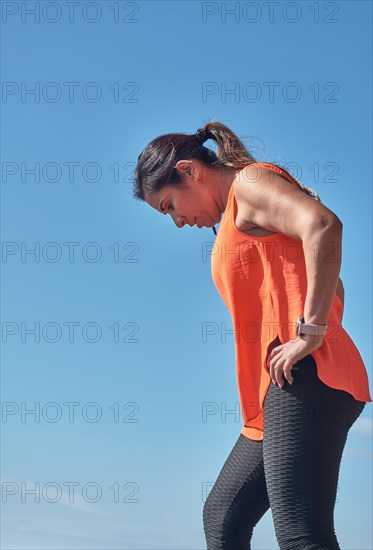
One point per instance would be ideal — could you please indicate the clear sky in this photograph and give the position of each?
(117, 370)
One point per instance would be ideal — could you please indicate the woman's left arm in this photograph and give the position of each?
(323, 256)
(322, 251)
(270, 201)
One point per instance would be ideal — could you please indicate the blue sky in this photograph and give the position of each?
(117, 294)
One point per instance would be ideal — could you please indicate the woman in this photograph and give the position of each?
(302, 382)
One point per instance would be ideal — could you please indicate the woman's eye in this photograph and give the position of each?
(170, 207)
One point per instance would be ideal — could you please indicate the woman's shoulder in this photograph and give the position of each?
(257, 170)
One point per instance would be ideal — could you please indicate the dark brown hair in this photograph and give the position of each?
(156, 164)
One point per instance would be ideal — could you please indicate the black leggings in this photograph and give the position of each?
(294, 470)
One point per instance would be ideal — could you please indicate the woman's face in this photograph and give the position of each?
(189, 204)
(186, 206)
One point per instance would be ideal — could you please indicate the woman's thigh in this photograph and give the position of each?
(238, 498)
(305, 431)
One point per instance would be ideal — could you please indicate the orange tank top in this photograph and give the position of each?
(263, 283)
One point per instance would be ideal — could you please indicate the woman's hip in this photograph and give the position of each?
(309, 401)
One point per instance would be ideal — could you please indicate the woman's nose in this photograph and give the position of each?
(180, 222)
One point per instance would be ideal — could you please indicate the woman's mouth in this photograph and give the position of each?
(198, 225)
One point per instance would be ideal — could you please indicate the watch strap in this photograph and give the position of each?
(310, 328)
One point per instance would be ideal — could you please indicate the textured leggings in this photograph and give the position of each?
(294, 470)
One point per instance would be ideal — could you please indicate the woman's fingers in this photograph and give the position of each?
(282, 358)
(281, 370)
(287, 372)
(279, 378)
(271, 362)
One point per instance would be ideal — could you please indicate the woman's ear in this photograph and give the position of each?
(187, 168)
(183, 166)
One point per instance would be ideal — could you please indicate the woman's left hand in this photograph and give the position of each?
(282, 358)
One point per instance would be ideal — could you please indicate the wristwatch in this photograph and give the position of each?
(308, 328)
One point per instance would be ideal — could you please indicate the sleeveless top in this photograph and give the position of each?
(263, 283)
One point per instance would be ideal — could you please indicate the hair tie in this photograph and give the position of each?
(200, 135)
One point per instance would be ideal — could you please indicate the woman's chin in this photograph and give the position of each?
(210, 222)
